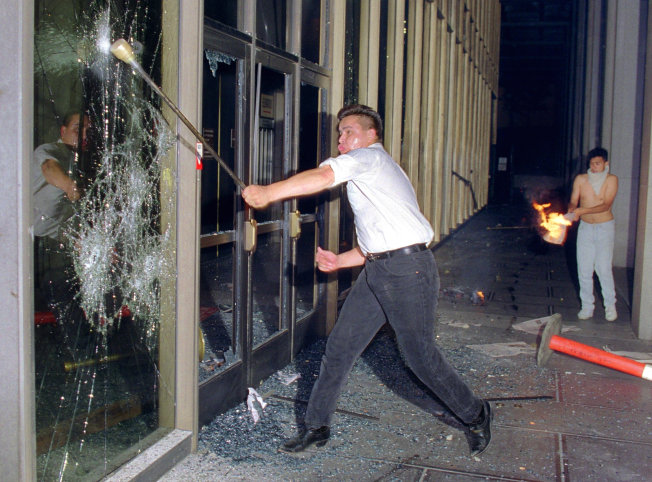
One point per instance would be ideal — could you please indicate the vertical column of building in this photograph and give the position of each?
(394, 77)
(439, 174)
(429, 118)
(17, 445)
(410, 151)
(642, 301)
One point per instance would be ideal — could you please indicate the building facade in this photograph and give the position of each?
(183, 296)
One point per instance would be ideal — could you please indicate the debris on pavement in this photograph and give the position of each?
(498, 350)
(251, 399)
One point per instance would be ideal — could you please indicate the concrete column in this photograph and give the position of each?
(17, 444)
(642, 301)
(621, 122)
(369, 44)
(592, 78)
(187, 84)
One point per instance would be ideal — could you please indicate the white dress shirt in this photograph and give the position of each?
(387, 214)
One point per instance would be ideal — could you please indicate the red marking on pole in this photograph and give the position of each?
(44, 318)
(199, 154)
(601, 357)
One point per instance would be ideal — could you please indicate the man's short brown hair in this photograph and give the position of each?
(371, 117)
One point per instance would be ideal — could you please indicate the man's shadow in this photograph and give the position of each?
(384, 359)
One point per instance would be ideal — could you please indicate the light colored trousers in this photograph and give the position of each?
(595, 249)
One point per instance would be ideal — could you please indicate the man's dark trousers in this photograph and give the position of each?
(403, 291)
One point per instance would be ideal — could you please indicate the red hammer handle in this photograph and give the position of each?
(601, 357)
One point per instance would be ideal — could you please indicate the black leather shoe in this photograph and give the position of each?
(306, 438)
(479, 432)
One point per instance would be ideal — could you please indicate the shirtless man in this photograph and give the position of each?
(591, 200)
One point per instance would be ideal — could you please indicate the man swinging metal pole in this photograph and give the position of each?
(123, 51)
(398, 284)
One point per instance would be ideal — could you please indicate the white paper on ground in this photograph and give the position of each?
(255, 397)
(286, 379)
(535, 326)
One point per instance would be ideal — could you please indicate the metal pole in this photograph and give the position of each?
(122, 50)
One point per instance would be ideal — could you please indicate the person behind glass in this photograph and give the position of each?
(399, 283)
(53, 193)
(591, 199)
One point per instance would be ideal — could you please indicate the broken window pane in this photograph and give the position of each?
(103, 197)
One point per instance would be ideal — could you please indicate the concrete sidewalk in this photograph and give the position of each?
(571, 420)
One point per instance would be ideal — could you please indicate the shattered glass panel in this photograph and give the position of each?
(104, 200)
(266, 286)
(215, 58)
(219, 327)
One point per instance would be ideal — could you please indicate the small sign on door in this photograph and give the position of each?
(267, 106)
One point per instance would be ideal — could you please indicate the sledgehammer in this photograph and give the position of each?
(123, 51)
(550, 340)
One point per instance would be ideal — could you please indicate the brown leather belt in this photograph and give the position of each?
(414, 248)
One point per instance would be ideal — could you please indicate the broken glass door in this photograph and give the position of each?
(268, 164)
(312, 233)
(219, 335)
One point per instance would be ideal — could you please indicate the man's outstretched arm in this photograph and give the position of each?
(307, 182)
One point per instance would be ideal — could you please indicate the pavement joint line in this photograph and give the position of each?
(339, 410)
(446, 470)
(571, 434)
(561, 461)
(518, 399)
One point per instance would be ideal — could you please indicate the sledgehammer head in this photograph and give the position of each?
(553, 327)
(122, 50)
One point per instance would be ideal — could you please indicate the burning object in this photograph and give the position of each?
(477, 298)
(555, 224)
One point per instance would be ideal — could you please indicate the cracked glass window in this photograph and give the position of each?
(103, 198)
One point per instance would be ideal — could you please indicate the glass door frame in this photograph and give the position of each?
(275, 352)
(229, 387)
(226, 388)
(309, 327)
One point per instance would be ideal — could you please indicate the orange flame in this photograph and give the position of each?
(477, 298)
(554, 224)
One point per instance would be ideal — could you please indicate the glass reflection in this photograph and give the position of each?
(218, 336)
(102, 238)
(267, 168)
(310, 29)
(268, 165)
(305, 275)
(266, 286)
(271, 22)
(309, 158)
(225, 11)
(218, 345)
(219, 108)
